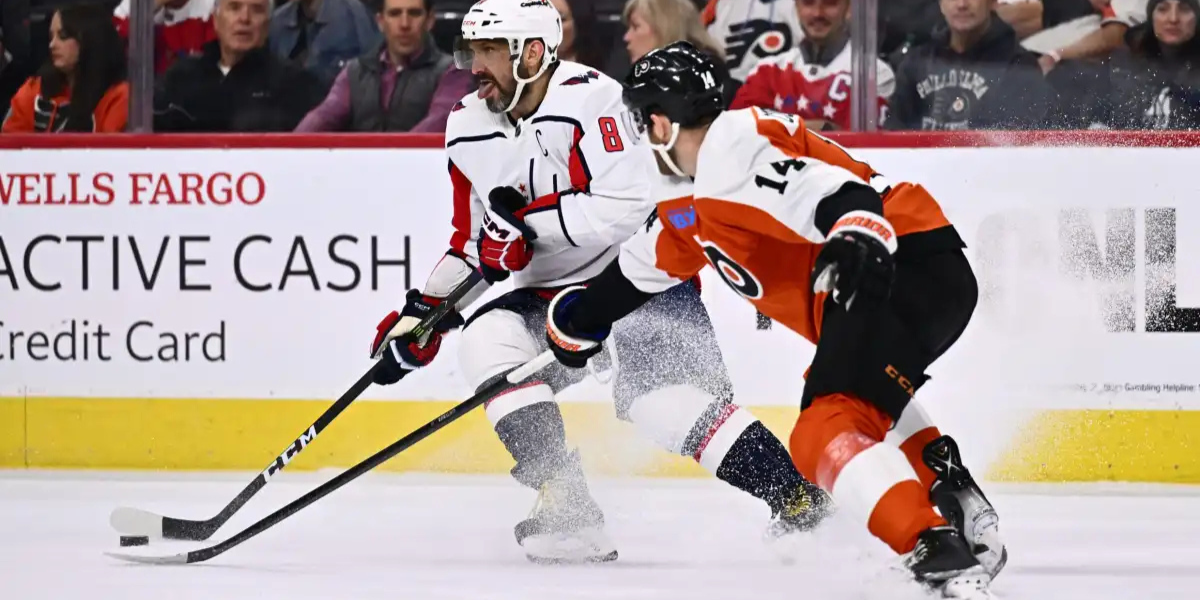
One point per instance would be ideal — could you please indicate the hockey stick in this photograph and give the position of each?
(514, 377)
(137, 522)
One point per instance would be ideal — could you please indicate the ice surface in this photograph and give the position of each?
(433, 538)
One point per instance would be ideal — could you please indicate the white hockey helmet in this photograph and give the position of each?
(517, 22)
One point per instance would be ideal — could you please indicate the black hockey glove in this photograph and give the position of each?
(398, 352)
(856, 266)
(571, 348)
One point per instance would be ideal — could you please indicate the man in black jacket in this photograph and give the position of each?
(236, 85)
(973, 74)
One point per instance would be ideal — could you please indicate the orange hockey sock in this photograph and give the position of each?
(836, 444)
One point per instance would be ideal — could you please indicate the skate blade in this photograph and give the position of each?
(972, 585)
(588, 545)
(991, 564)
(588, 560)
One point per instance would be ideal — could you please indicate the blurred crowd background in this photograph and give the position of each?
(385, 65)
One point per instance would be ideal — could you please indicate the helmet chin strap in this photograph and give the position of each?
(663, 151)
(521, 83)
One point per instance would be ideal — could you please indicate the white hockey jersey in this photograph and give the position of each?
(578, 159)
(751, 30)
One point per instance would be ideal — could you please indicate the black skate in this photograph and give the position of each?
(804, 510)
(963, 505)
(566, 525)
(942, 561)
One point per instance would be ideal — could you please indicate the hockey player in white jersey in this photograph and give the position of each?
(549, 177)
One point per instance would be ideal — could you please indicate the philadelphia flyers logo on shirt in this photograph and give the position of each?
(759, 37)
(735, 275)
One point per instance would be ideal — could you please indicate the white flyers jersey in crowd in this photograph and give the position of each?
(578, 160)
(751, 30)
(761, 177)
(789, 83)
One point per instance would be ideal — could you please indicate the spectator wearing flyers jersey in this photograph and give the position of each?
(181, 28)
(813, 79)
(751, 30)
(973, 74)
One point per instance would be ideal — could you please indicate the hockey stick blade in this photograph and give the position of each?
(514, 377)
(174, 559)
(136, 522)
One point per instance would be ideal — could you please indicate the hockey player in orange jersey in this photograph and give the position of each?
(870, 271)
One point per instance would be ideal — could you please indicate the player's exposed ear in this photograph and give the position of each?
(660, 128)
(531, 58)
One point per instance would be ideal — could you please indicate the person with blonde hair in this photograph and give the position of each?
(652, 24)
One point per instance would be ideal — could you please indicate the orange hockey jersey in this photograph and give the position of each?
(31, 112)
(760, 177)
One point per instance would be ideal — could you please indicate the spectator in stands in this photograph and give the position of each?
(404, 84)
(748, 31)
(1118, 16)
(236, 84)
(1024, 16)
(581, 42)
(181, 28)
(1156, 83)
(655, 23)
(323, 35)
(16, 59)
(906, 24)
(972, 75)
(82, 87)
(813, 79)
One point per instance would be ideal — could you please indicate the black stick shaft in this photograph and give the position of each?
(184, 529)
(375, 460)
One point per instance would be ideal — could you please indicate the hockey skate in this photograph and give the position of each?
(942, 561)
(803, 511)
(963, 504)
(566, 526)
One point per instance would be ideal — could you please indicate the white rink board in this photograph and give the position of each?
(1029, 346)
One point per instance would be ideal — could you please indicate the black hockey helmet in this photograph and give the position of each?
(677, 80)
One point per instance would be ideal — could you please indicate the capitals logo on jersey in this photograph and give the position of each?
(582, 79)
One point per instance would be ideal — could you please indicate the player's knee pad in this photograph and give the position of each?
(667, 415)
(814, 443)
(687, 420)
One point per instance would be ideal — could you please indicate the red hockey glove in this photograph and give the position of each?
(856, 262)
(504, 239)
(400, 353)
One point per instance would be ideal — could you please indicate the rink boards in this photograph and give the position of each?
(196, 308)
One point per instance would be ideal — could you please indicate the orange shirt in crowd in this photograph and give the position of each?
(31, 112)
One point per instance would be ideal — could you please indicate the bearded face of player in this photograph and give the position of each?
(820, 18)
(492, 64)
